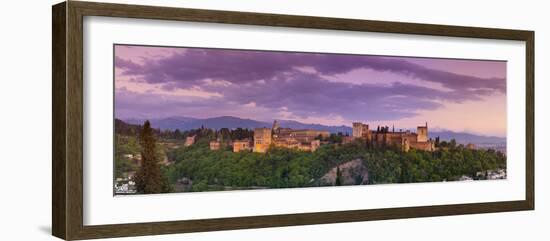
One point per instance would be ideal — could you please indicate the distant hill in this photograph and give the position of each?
(464, 138)
(298, 125)
(170, 123)
(125, 128)
(187, 123)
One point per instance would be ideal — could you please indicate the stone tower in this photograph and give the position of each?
(357, 130)
(406, 146)
(276, 126)
(262, 139)
(422, 132)
(360, 130)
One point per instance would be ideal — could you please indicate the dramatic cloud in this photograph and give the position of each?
(237, 66)
(295, 85)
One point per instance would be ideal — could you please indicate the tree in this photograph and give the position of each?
(335, 139)
(338, 181)
(149, 178)
(453, 143)
(319, 137)
(225, 134)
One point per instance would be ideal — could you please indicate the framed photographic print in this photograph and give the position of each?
(171, 120)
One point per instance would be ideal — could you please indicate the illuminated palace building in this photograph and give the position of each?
(305, 140)
(404, 139)
(310, 140)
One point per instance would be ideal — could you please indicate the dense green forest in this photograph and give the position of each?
(282, 168)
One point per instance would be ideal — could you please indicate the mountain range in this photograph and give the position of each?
(187, 123)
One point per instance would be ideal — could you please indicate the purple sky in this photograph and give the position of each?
(330, 89)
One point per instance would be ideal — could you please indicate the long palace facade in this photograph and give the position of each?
(305, 139)
(310, 140)
(404, 139)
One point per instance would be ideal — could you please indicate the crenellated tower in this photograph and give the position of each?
(422, 132)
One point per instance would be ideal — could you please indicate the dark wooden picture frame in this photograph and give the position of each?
(67, 152)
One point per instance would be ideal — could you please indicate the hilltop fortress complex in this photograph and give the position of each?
(403, 139)
(311, 140)
(285, 137)
(308, 140)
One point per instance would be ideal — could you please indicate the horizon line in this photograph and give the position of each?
(437, 128)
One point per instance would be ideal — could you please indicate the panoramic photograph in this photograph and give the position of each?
(205, 119)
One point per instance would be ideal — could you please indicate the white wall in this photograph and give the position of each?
(25, 137)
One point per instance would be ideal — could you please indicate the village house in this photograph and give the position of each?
(219, 144)
(347, 139)
(215, 145)
(241, 145)
(190, 140)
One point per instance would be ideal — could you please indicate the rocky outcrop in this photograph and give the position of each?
(353, 173)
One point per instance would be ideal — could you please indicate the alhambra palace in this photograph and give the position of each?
(309, 140)
(304, 140)
(404, 139)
